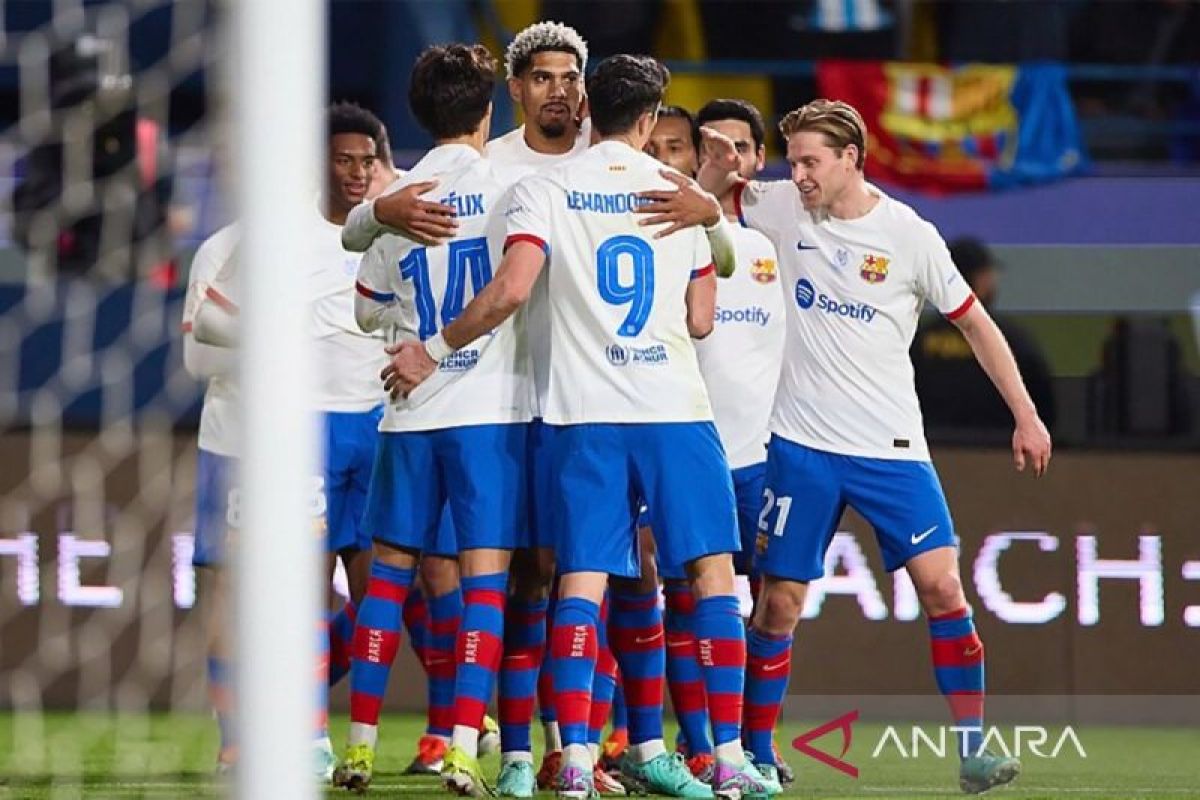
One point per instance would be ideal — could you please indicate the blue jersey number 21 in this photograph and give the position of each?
(465, 255)
(638, 295)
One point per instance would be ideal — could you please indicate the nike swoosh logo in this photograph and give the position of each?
(773, 667)
(803, 246)
(917, 538)
(648, 639)
(973, 651)
(678, 644)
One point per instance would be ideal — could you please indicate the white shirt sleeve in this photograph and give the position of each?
(528, 215)
(375, 304)
(938, 280)
(763, 204)
(203, 361)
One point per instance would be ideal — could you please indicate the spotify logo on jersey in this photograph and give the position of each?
(805, 293)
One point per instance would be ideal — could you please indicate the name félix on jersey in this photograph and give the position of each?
(465, 205)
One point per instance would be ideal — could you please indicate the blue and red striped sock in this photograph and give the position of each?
(721, 640)
(573, 651)
(445, 618)
(685, 680)
(376, 642)
(958, 666)
(477, 654)
(768, 666)
(220, 696)
(524, 651)
(341, 642)
(604, 683)
(416, 622)
(620, 710)
(636, 636)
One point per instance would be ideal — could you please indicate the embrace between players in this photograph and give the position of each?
(567, 319)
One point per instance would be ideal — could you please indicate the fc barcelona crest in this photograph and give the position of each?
(874, 269)
(763, 270)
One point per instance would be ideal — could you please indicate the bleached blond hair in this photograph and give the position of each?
(543, 37)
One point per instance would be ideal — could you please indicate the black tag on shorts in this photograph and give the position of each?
(899, 442)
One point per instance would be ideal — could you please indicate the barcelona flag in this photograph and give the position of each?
(965, 128)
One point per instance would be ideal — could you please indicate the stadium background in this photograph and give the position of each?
(97, 417)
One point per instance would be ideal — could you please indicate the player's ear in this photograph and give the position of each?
(514, 90)
(761, 160)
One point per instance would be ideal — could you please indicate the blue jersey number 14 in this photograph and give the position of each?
(464, 255)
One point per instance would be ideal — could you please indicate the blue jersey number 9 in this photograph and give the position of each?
(638, 295)
(465, 255)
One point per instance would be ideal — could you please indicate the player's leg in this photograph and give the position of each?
(353, 546)
(638, 644)
(525, 616)
(748, 485)
(403, 507)
(594, 511)
(914, 528)
(681, 471)
(440, 579)
(604, 684)
(685, 680)
(215, 515)
(790, 552)
(485, 468)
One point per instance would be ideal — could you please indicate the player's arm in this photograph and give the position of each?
(216, 321)
(686, 206)
(375, 305)
(400, 211)
(203, 361)
(718, 171)
(701, 302)
(508, 290)
(1031, 440)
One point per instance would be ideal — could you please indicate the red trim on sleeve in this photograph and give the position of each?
(371, 294)
(966, 304)
(738, 188)
(526, 237)
(221, 300)
(700, 273)
(186, 327)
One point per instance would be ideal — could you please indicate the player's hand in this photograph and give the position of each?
(683, 207)
(717, 150)
(409, 366)
(1031, 445)
(423, 221)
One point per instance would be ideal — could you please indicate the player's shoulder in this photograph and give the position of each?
(903, 222)
(506, 141)
(213, 252)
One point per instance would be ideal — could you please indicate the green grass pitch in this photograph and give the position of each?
(170, 756)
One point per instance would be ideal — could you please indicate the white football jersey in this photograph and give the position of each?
(516, 159)
(347, 361)
(854, 291)
(740, 359)
(619, 345)
(487, 381)
(218, 416)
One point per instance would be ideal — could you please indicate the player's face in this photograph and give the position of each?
(549, 93)
(820, 172)
(351, 168)
(750, 158)
(671, 143)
